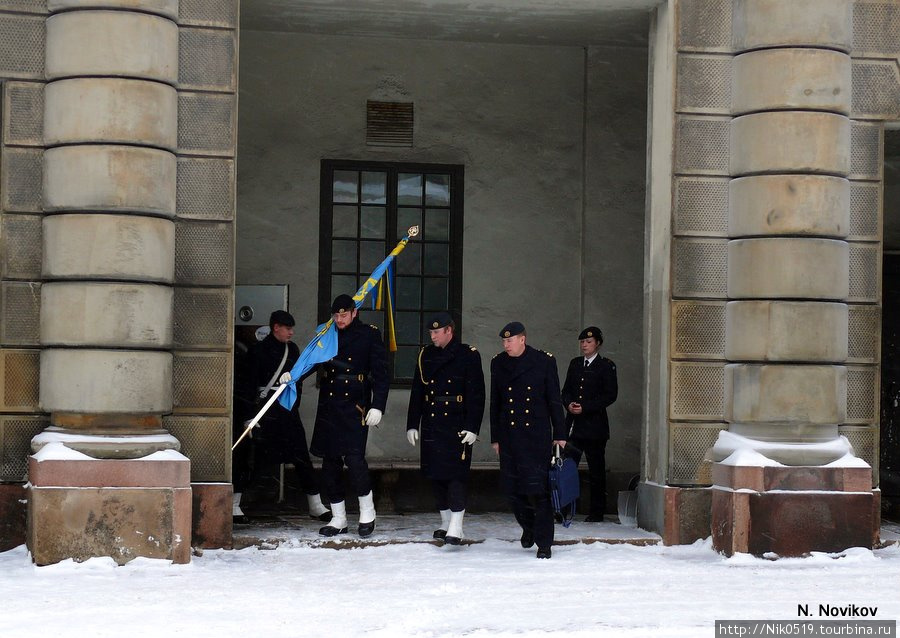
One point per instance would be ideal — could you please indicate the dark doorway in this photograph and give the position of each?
(890, 387)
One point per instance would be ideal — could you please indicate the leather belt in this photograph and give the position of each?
(449, 398)
(347, 377)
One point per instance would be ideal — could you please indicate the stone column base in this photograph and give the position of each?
(679, 514)
(793, 510)
(80, 508)
(212, 520)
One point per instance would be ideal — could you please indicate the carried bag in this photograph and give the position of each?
(565, 487)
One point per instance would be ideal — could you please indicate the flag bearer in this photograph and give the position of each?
(352, 397)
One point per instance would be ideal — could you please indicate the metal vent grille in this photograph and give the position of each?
(23, 113)
(201, 382)
(862, 394)
(704, 84)
(20, 242)
(203, 318)
(22, 46)
(876, 90)
(704, 25)
(21, 370)
(701, 206)
(206, 123)
(688, 444)
(16, 433)
(211, 13)
(702, 145)
(697, 391)
(864, 330)
(865, 272)
(203, 253)
(700, 268)
(206, 59)
(876, 29)
(865, 210)
(24, 6)
(205, 188)
(206, 441)
(698, 329)
(865, 151)
(864, 440)
(389, 123)
(21, 180)
(20, 312)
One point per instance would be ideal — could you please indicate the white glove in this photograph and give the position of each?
(412, 436)
(373, 417)
(468, 438)
(285, 378)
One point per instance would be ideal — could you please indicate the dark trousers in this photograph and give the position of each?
(333, 486)
(282, 440)
(595, 453)
(534, 512)
(450, 495)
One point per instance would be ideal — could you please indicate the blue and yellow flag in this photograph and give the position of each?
(385, 301)
(325, 344)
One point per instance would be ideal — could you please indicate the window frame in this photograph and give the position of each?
(454, 241)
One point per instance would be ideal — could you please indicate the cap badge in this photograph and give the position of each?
(506, 333)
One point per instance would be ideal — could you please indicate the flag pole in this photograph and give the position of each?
(358, 298)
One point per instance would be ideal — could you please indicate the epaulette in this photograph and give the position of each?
(549, 354)
(495, 356)
(372, 325)
(473, 348)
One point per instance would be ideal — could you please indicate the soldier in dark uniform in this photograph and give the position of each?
(590, 388)
(352, 396)
(526, 421)
(281, 436)
(447, 398)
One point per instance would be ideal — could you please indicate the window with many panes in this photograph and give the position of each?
(366, 208)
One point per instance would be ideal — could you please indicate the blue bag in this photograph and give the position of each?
(565, 487)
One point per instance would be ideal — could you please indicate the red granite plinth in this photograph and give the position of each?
(12, 515)
(792, 511)
(80, 508)
(212, 521)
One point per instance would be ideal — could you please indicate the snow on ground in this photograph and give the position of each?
(416, 589)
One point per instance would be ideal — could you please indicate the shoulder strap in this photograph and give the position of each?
(265, 391)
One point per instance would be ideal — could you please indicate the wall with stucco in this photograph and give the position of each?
(542, 163)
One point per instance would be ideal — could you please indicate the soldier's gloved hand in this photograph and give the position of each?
(468, 438)
(373, 416)
(285, 378)
(412, 436)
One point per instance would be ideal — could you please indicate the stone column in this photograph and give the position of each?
(110, 127)
(110, 132)
(786, 321)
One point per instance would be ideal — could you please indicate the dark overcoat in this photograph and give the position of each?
(355, 380)
(526, 417)
(595, 388)
(278, 427)
(447, 397)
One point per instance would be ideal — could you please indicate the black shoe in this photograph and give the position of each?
(452, 540)
(439, 534)
(594, 518)
(558, 518)
(328, 530)
(527, 539)
(544, 552)
(239, 519)
(366, 529)
(324, 517)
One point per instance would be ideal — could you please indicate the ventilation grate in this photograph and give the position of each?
(389, 123)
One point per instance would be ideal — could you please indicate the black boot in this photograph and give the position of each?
(544, 552)
(527, 539)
